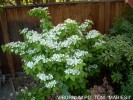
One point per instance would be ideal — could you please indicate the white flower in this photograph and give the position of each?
(92, 34)
(73, 61)
(44, 77)
(39, 8)
(85, 25)
(57, 57)
(51, 84)
(73, 39)
(23, 90)
(32, 51)
(25, 30)
(90, 67)
(39, 58)
(80, 53)
(33, 36)
(72, 71)
(30, 64)
(99, 43)
(70, 21)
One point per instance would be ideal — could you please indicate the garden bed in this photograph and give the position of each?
(22, 81)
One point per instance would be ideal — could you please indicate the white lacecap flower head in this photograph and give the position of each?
(30, 64)
(99, 43)
(44, 77)
(92, 34)
(25, 30)
(70, 21)
(72, 61)
(51, 84)
(90, 67)
(72, 71)
(79, 53)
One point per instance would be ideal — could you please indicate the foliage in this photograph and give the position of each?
(59, 57)
(117, 57)
(122, 27)
(117, 49)
(116, 77)
(128, 13)
(127, 89)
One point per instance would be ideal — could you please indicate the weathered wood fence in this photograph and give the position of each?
(15, 18)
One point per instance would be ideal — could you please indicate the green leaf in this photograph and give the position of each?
(72, 78)
(78, 67)
(67, 76)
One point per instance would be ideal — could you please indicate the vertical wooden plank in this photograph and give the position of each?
(7, 40)
(107, 16)
(118, 9)
(101, 25)
(87, 11)
(112, 13)
(95, 14)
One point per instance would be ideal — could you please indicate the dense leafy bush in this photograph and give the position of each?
(122, 27)
(127, 89)
(117, 57)
(61, 57)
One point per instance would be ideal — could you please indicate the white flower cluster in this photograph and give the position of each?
(16, 47)
(30, 64)
(71, 40)
(49, 42)
(37, 59)
(25, 30)
(78, 53)
(70, 61)
(34, 61)
(50, 38)
(44, 77)
(51, 84)
(73, 61)
(32, 51)
(53, 33)
(70, 21)
(92, 34)
(57, 57)
(24, 90)
(72, 71)
(33, 36)
(99, 43)
(84, 25)
(90, 67)
(39, 8)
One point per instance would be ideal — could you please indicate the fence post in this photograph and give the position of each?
(6, 39)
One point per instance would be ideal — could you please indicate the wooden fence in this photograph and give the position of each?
(15, 18)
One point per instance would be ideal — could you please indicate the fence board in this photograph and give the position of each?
(102, 13)
(6, 39)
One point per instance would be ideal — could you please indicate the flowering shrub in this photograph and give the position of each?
(60, 56)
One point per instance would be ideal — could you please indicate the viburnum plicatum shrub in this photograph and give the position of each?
(59, 56)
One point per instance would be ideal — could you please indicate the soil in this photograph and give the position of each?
(9, 88)
(6, 91)
(22, 81)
